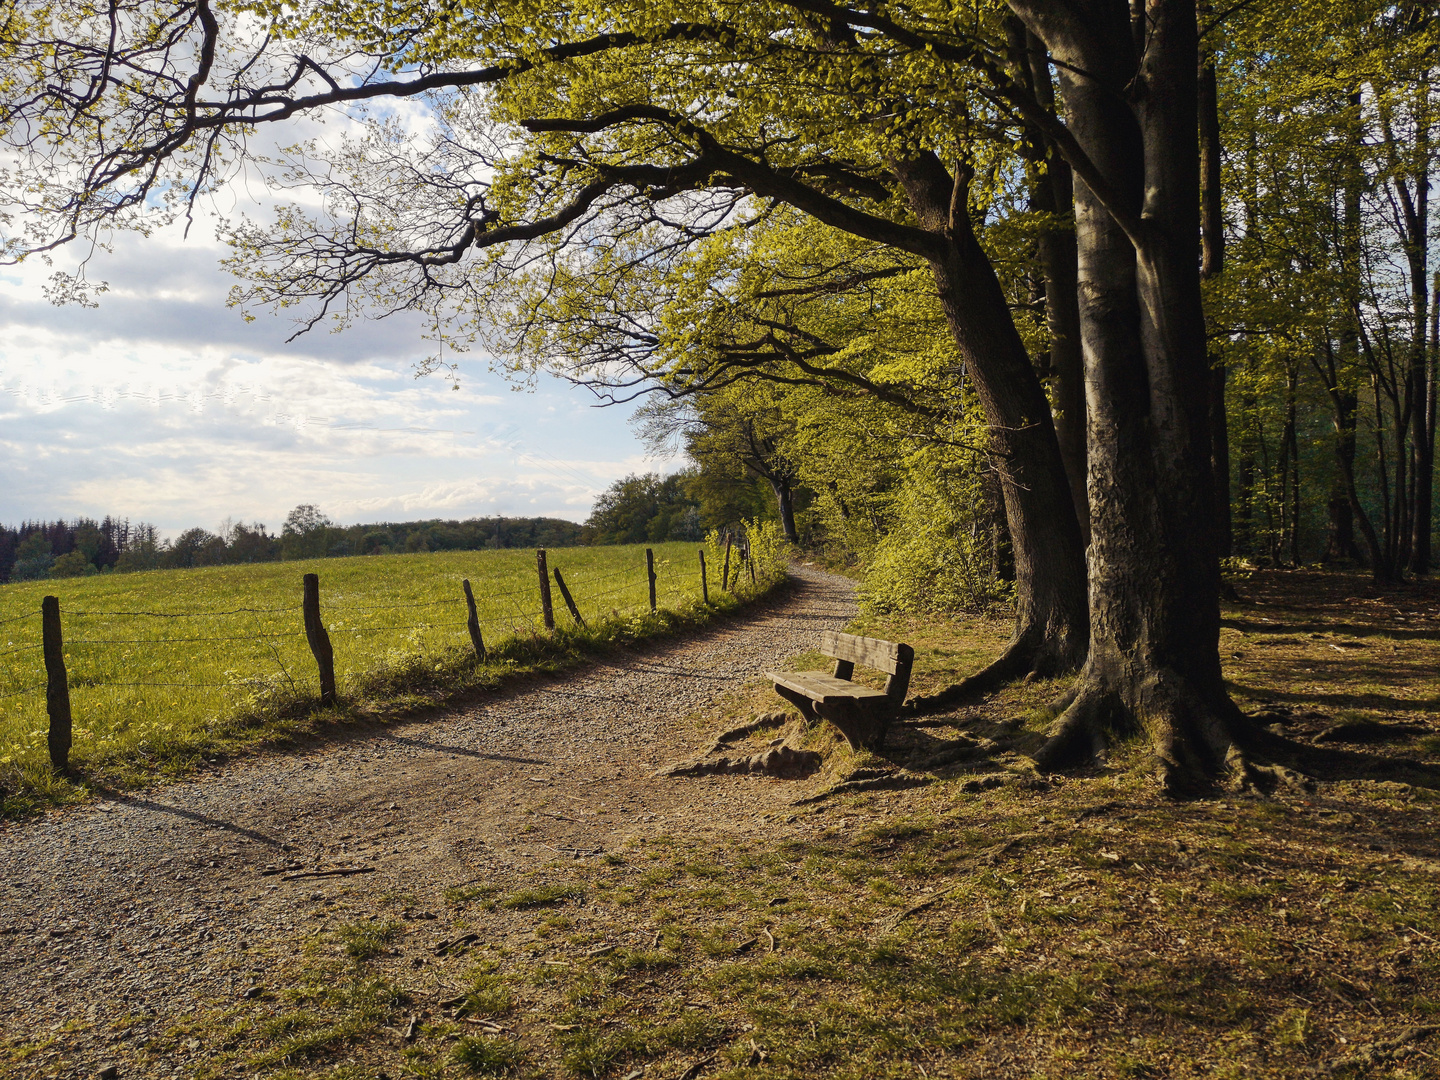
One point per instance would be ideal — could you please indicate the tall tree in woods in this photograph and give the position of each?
(720, 432)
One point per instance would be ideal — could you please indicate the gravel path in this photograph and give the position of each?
(119, 913)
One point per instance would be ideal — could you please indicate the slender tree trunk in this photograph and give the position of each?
(1212, 264)
(785, 500)
(1054, 194)
(1281, 530)
(1425, 444)
(1154, 570)
(1243, 527)
(1340, 543)
(1291, 479)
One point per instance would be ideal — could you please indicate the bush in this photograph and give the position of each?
(34, 569)
(935, 558)
(75, 564)
(768, 548)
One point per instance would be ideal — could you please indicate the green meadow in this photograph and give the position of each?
(167, 668)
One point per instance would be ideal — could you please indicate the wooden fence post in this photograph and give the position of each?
(650, 573)
(704, 584)
(569, 600)
(547, 608)
(725, 573)
(319, 640)
(472, 623)
(57, 684)
(750, 562)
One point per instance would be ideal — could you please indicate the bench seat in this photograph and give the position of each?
(861, 713)
(821, 687)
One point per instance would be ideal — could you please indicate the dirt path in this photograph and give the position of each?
(118, 913)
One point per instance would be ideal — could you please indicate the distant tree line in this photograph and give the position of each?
(45, 549)
(715, 493)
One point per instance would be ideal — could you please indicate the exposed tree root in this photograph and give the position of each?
(781, 761)
(759, 722)
(890, 781)
(1200, 741)
(1028, 655)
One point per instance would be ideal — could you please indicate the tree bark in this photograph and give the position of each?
(1420, 553)
(785, 501)
(1340, 543)
(1154, 569)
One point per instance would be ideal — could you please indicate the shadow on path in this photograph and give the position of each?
(426, 744)
(107, 795)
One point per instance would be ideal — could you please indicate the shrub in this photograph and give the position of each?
(75, 564)
(936, 557)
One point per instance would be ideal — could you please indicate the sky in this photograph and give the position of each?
(164, 405)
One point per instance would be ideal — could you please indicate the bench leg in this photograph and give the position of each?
(863, 724)
(801, 702)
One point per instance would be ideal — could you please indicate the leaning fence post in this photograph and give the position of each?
(57, 685)
(750, 562)
(569, 600)
(546, 607)
(704, 584)
(319, 640)
(725, 572)
(650, 573)
(472, 623)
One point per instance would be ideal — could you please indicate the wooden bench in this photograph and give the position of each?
(861, 713)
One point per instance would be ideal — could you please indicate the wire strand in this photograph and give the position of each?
(181, 614)
(395, 607)
(383, 629)
(179, 640)
(182, 685)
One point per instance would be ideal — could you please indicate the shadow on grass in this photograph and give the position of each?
(1331, 764)
(1284, 629)
(1336, 701)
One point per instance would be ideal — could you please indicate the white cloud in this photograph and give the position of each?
(164, 405)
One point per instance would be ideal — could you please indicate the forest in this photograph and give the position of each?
(1056, 305)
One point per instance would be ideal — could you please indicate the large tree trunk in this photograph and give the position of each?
(1051, 623)
(1154, 570)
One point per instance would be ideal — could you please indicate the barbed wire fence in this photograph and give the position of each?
(103, 663)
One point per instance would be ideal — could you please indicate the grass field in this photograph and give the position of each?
(168, 666)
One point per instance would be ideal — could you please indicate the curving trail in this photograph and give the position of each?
(144, 906)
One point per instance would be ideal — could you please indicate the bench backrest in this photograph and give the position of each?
(892, 657)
